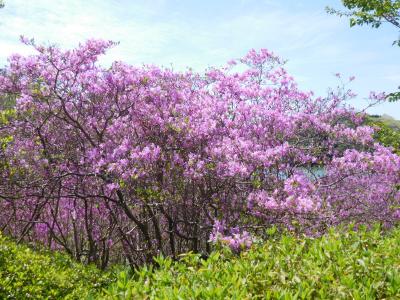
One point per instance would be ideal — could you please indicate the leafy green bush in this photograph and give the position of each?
(28, 274)
(342, 265)
(350, 265)
(388, 133)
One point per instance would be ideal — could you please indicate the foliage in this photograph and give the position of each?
(394, 96)
(349, 265)
(388, 132)
(387, 120)
(121, 163)
(373, 13)
(28, 274)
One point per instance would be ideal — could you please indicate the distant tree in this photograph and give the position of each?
(388, 133)
(370, 12)
(1, 4)
(373, 13)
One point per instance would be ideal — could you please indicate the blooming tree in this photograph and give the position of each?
(127, 163)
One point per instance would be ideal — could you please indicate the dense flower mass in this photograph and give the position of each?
(126, 163)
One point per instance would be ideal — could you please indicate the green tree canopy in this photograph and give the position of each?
(372, 13)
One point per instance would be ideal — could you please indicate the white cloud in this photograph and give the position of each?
(148, 34)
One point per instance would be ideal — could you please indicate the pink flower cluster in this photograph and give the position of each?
(128, 162)
(235, 240)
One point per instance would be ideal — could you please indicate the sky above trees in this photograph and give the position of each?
(205, 33)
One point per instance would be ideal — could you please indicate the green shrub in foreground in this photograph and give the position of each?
(351, 265)
(27, 274)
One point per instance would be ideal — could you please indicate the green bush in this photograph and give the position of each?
(350, 265)
(339, 265)
(28, 274)
(388, 133)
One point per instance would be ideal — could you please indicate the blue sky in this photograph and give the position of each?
(205, 33)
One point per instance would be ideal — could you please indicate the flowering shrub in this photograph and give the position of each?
(237, 241)
(128, 163)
